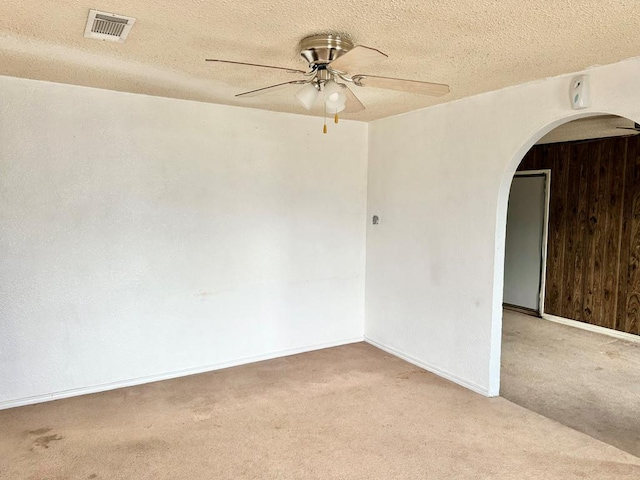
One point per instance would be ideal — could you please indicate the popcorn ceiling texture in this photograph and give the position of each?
(473, 45)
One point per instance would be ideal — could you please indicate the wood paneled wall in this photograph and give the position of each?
(593, 255)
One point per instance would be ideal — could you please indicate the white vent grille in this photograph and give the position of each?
(108, 26)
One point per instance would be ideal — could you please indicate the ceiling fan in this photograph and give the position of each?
(334, 61)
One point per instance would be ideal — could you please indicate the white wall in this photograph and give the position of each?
(142, 238)
(439, 179)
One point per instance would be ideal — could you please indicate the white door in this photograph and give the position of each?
(524, 248)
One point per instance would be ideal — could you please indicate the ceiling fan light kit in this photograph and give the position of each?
(334, 62)
(334, 97)
(307, 95)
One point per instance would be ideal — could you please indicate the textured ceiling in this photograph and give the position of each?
(473, 45)
(602, 126)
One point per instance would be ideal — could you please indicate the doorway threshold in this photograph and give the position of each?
(519, 309)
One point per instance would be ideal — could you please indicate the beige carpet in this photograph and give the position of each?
(350, 412)
(585, 380)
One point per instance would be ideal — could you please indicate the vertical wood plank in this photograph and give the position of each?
(614, 152)
(625, 233)
(579, 264)
(604, 177)
(590, 284)
(536, 159)
(571, 227)
(551, 156)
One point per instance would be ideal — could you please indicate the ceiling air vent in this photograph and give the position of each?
(108, 26)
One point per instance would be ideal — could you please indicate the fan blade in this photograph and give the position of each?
(411, 86)
(357, 59)
(290, 70)
(352, 105)
(636, 127)
(269, 89)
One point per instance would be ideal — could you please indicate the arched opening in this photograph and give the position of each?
(569, 242)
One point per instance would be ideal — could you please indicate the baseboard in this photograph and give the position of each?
(629, 337)
(47, 397)
(438, 371)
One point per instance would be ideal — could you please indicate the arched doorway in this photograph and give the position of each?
(585, 380)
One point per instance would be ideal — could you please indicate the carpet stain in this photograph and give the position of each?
(39, 431)
(93, 475)
(409, 374)
(43, 442)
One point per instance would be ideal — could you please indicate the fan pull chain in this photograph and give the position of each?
(335, 118)
(324, 129)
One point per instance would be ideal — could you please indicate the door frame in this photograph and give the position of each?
(546, 173)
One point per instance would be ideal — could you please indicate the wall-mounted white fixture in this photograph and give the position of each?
(580, 92)
(108, 26)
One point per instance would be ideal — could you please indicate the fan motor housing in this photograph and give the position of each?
(322, 49)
